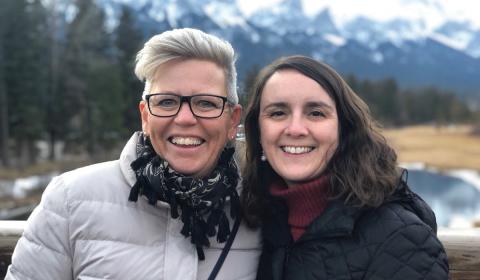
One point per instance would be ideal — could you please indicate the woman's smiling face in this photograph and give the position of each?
(298, 126)
(191, 145)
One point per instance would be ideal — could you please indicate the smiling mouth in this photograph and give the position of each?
(296, 150)
(186, 141)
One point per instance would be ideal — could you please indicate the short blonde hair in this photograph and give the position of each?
(187, 43)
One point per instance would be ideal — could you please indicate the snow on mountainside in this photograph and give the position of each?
(373, 22)
(461, 35)
(286, 17)
(419, 42)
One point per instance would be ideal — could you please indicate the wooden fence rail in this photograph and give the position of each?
(462, 245)
(463, 250)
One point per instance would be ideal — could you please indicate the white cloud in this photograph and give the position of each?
(343, 10)
(249, 6)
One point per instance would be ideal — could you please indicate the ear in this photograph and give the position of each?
(142, 106)
(236, 116)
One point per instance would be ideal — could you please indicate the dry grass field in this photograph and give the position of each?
(447, 147)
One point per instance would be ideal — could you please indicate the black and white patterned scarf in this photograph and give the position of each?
(201, 201)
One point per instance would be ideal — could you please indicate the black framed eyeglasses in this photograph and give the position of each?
(207, 106)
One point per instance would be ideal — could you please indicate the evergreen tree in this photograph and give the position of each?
(128, 41)
(247, 85)
(4, 128)
(106, 107)
(366, 90)
(91, 81)
(353, 83)
(387, 101)
(57, 110)
(25, 51)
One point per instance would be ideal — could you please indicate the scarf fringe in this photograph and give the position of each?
(134, 192)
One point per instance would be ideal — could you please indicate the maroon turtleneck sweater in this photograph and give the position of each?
(305, 202)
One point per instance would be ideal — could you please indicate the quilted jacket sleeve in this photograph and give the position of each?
(412, 252)
(43, 251)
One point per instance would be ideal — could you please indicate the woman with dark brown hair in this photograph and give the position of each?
(324, 184)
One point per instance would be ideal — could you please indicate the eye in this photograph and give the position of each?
(276, 111)
(276, 114)
(206, 104)
(165, 102)
(316, 113)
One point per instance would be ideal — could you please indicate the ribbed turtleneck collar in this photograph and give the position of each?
(305, 202)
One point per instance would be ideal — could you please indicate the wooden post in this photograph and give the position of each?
(10, 232)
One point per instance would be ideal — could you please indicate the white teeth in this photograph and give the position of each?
(186, 141)
(296, 150)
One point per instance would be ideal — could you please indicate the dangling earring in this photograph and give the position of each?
(263, 157)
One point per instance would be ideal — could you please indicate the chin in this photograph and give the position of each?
(300, 179)
(295, 179)
(183, 171)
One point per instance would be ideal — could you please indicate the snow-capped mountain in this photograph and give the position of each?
(285, 17)
(461, 36)
(418, 42)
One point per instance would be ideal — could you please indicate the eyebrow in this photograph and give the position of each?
(319, 104)
(178, 94)
(311, 104)
(277, 104)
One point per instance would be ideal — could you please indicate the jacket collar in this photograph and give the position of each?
(128, 155)
(411, 201)
(337, 220)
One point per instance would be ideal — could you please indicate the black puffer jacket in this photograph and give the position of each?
(395, 241)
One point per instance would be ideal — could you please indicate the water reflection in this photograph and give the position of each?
(455, 202)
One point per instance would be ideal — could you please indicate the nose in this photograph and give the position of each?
(297, 126)
(185, 115)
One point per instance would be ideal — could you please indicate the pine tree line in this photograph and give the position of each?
(65, 81)
(393, 106)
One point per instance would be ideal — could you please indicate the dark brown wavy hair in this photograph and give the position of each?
(363, 169)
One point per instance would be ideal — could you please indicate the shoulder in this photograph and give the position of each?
(405, 246)
(378, 225)
(102, 181)
(92, 181)
(390, 217)
(94, 172)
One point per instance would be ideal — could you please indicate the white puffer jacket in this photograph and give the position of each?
(85, 228)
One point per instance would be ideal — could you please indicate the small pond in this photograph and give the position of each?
(455, 201)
